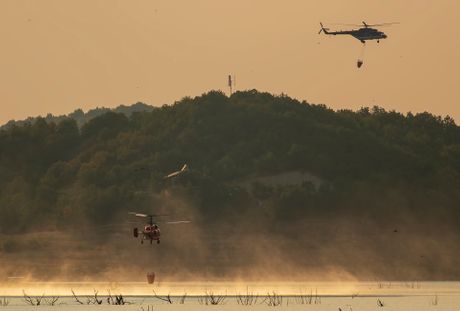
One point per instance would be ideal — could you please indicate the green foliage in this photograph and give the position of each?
(72, 170)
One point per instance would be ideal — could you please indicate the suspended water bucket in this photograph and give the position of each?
(359, 63)
(151, 277)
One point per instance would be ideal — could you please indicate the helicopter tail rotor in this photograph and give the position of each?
(325, 30)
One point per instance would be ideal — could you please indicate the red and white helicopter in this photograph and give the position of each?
(151, 230)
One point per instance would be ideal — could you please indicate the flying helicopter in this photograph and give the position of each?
(151, 230)
(363, 34)
(176, 173)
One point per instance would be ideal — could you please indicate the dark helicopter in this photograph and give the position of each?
(151, 230)
(363, 34)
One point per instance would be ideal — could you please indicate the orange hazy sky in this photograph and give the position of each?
(59, 55)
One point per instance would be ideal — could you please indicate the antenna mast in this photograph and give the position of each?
(230, 84)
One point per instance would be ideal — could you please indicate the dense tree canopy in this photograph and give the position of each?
(369, 162)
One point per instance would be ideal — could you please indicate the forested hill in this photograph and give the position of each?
(82, 117)
(371, 162)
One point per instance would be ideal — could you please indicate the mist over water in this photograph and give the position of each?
(240, 248)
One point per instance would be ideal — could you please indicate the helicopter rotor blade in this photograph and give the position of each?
(382, 24)
(123, 224)
(145, 215)
(178, 222)
(366, 25)
(139, 215)
(341, 24)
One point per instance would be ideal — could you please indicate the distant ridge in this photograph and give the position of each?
(83, 117)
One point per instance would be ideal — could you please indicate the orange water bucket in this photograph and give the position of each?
(151, 277)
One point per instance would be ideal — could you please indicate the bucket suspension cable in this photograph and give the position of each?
(361, 56)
